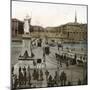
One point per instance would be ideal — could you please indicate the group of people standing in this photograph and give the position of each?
(57, 80)
(21, 78)
(24, 76)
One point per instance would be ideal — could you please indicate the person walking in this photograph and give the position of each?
(67, 65)
(50, 81)
(29, 76)
(79, 82)
(47, 74)
(20, 77)
(63, 78)
(24, 76)
(41, 75)
(16, 82)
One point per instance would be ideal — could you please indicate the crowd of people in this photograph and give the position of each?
(25, 77)
(57, 80)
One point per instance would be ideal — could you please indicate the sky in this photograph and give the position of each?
(47, 15)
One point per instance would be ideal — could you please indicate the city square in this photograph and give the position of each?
(48, 56)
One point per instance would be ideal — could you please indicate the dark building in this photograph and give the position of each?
(17, 27)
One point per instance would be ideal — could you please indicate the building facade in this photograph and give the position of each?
(74, 32)
(17, 27)
(69, 32)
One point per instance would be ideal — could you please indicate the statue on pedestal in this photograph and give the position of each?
(27, 21)
(26, 45)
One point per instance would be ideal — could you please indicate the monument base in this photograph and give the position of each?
(26, 47)
(26, 57)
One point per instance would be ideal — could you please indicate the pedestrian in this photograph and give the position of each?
(24, 76)
(12, 69)
(60, 63)
(47, 74)
(15, 81)
(34, 63)
(69, 83)
(37, 75)
(43, 51)
(34, 74)
(19, 69)
(41, 75)
(79, 82)
(50, 81)
(20, 77)
(29, 76)
(63, 78)
(67, 64)
(55, 78)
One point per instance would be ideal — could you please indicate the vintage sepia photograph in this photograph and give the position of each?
(49, 45)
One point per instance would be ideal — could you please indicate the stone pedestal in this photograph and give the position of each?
(26, 45)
